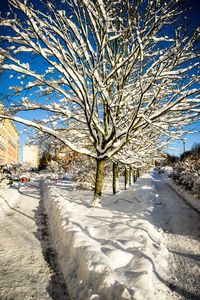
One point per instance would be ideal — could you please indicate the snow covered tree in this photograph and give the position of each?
(105, 70)
(45, 159)
(143, 150)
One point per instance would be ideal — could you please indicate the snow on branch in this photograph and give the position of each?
(117, 70)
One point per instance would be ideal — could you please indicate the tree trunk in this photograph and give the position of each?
(126, 178)
(134, 176)
(137, 173)
(98, 182)
(115, 178)
(130, 176)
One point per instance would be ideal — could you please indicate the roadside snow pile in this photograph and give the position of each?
(112, 252)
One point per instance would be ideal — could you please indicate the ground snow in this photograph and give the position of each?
(8, 201)
(110, 252)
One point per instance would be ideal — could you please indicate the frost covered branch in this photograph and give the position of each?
(116, 71)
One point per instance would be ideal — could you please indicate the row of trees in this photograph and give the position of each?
(118, 79)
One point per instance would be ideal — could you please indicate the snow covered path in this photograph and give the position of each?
(28, 269)
(181, 225)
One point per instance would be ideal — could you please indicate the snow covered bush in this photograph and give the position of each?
(54, 170)
(187, 180)
(15, 171)
(196, 186)
(83, 172)
(2, 175)
(53, 167)
(176, 171)
(187, 170)
(18, 168)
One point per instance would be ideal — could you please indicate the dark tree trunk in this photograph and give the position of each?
(115, 178)
(130, 176)
(134, 176)
(137, 173)
(126, 178)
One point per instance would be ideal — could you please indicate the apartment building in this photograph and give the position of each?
(31, 155)
(65, 156)
(9, 141)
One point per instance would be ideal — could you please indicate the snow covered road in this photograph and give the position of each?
(28, 269)
(181, 225)
(145, 239)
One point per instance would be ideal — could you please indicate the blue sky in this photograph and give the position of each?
(5, 82)
(191, 139)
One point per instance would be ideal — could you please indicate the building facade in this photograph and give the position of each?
(31, 155)
(9, 141)
(65, 156)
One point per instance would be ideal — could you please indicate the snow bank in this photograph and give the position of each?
(112, 252)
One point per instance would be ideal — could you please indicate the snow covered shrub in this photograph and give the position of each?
(168, 171)
(14, 172)
(187, 171)
(176, 172)
(18, 168)
(196, 186)
(187, 180)
(83, 172)
(54, 170)
(53, 167)
(2, 175)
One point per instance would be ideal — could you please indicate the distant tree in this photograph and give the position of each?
(170, 159)
(196, 148)
(44, 160)
(105, 70)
